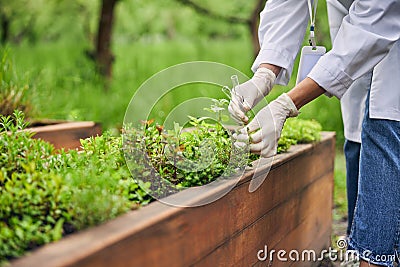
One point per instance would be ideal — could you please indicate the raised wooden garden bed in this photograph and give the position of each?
(291, 210)
(64, 134)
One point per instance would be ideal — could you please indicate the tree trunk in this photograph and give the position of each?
(253, 25)
(5, 29)
(103, 54)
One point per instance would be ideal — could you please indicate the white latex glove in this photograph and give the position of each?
(266, 127)
(246, 95)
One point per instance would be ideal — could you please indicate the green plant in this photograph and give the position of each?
(202, 153)
(13, 90)
(298, 131)
(45, 194)
(184, 157)
(32, 195)
(101, 182)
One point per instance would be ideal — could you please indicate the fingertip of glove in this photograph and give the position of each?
(255, 150)
(246, 106)
(252, 126)
(240, 144)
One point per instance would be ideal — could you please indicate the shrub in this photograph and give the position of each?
(46, 194)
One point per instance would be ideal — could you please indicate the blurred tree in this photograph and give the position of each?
(252, 21)
(7, 13)
(103, 54)
(13, 11)
(5, 27)
(43, 20)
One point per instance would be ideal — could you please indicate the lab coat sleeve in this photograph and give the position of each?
(281, 32)
(364, 39)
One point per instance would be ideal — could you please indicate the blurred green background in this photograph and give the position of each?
(51, 45)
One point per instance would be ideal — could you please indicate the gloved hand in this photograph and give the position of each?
(267, 125)
(246, 95)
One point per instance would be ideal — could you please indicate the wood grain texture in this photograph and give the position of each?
(291, 210)
(66, 134)
(304, 220)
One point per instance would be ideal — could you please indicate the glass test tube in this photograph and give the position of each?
(235, 81)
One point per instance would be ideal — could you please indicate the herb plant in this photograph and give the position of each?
(298, 131)
(203, 153)
(185, 157)
(46, 193)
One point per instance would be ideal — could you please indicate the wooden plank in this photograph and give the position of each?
(323, 242)
(314, 232)
(235, 214)
(66, 135)
(276, 227)
(161, 234)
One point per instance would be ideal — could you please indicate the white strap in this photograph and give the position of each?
(312, 13)
(312, 21)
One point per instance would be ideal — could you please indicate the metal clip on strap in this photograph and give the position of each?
(312, 37)
(312, 22)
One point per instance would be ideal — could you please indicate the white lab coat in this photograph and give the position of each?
(368, 39)
(352, 102)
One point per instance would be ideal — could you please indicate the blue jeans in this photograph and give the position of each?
(375, 230)
(352, 154)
